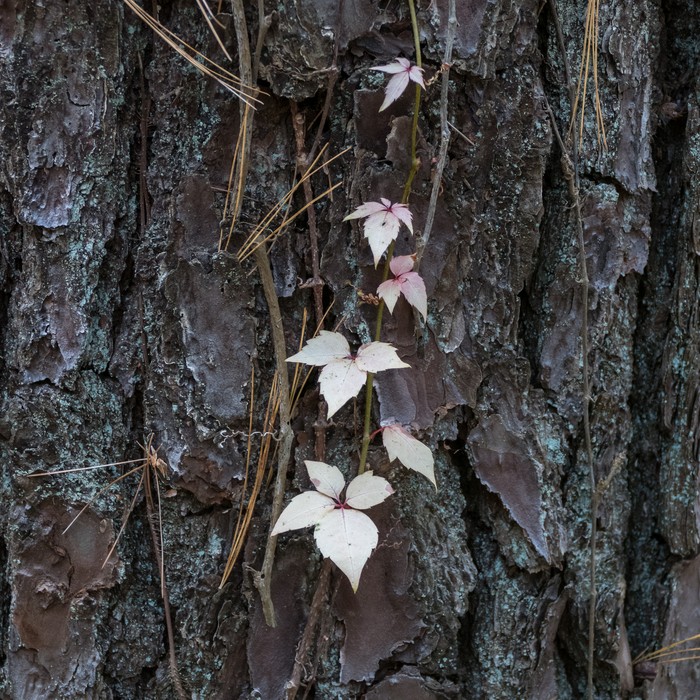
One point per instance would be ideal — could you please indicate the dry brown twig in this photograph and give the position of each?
(262, 579)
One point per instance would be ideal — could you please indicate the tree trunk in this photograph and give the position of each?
(122, 319)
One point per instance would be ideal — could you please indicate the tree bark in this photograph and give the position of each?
(121, 319)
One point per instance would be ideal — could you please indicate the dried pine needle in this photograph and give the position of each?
(149, 462)
(209, 18)
(589, 63)
(246, 93)
(672, 653)
(256, 238)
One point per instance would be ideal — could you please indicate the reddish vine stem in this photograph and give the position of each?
(332, 79)
(299, 124)
(318, 606)
(415, 164)
(304, 157)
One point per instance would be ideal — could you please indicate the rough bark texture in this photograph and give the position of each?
(120, 319)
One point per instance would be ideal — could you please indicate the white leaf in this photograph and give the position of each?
(304, 510)
(380, 230)
(377, 357)
(402, 71)
(367, 490)
(412, 453)
(341, 380)
(395, 88)
(403, 213)
(325, 478)
(389, 291)
(383, 223)
(347, 537)
(413, 288)
(401, 65)
(327, 346)
(366, 209)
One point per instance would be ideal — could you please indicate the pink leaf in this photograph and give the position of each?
(412, 453)
(402, 71)
(416, 75)
(389, 291)
(367, 490)
(401, 264)
(408, 283)
(404, 214)
(323, 349)
(366, 209)
(304, 510)
(377, 357)
(341, 380)
(413, 288)
(347, 537)
(326, 478)
(384, 220)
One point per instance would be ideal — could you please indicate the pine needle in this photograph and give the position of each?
(196, 59)
(239, 171)
(83, 469)
(244, 519)
(127, 514)
(589, 63)
(256, 237)
(209, 18)
(150, 461)
(670, 653)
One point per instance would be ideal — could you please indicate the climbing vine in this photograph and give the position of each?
(342, 533)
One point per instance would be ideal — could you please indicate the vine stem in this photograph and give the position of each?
(155, 521)
(263, 578)
(422, 242)
(415, 164)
